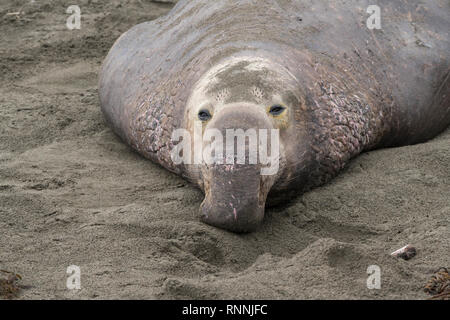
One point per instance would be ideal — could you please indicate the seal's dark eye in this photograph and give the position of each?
(204, 115)
(276, 110)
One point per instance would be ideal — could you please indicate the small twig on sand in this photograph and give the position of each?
(8, 286)
(439, 285)
(18, 13)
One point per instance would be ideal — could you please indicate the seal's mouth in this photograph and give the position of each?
(235, 198)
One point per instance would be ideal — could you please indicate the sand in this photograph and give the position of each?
(71, 193)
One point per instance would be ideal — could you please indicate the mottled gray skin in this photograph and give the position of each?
(347, 89)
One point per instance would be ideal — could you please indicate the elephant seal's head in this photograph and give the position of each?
(241, 117)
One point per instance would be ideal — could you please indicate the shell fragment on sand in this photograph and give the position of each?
(406, 253)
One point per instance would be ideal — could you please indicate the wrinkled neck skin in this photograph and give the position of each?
(323, 125)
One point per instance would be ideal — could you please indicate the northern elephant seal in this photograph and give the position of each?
(312, 70)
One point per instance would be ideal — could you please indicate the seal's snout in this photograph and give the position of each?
(234, 199)
(236, 187)
(245, 218)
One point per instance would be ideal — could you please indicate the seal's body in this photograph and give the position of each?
(311, 69)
